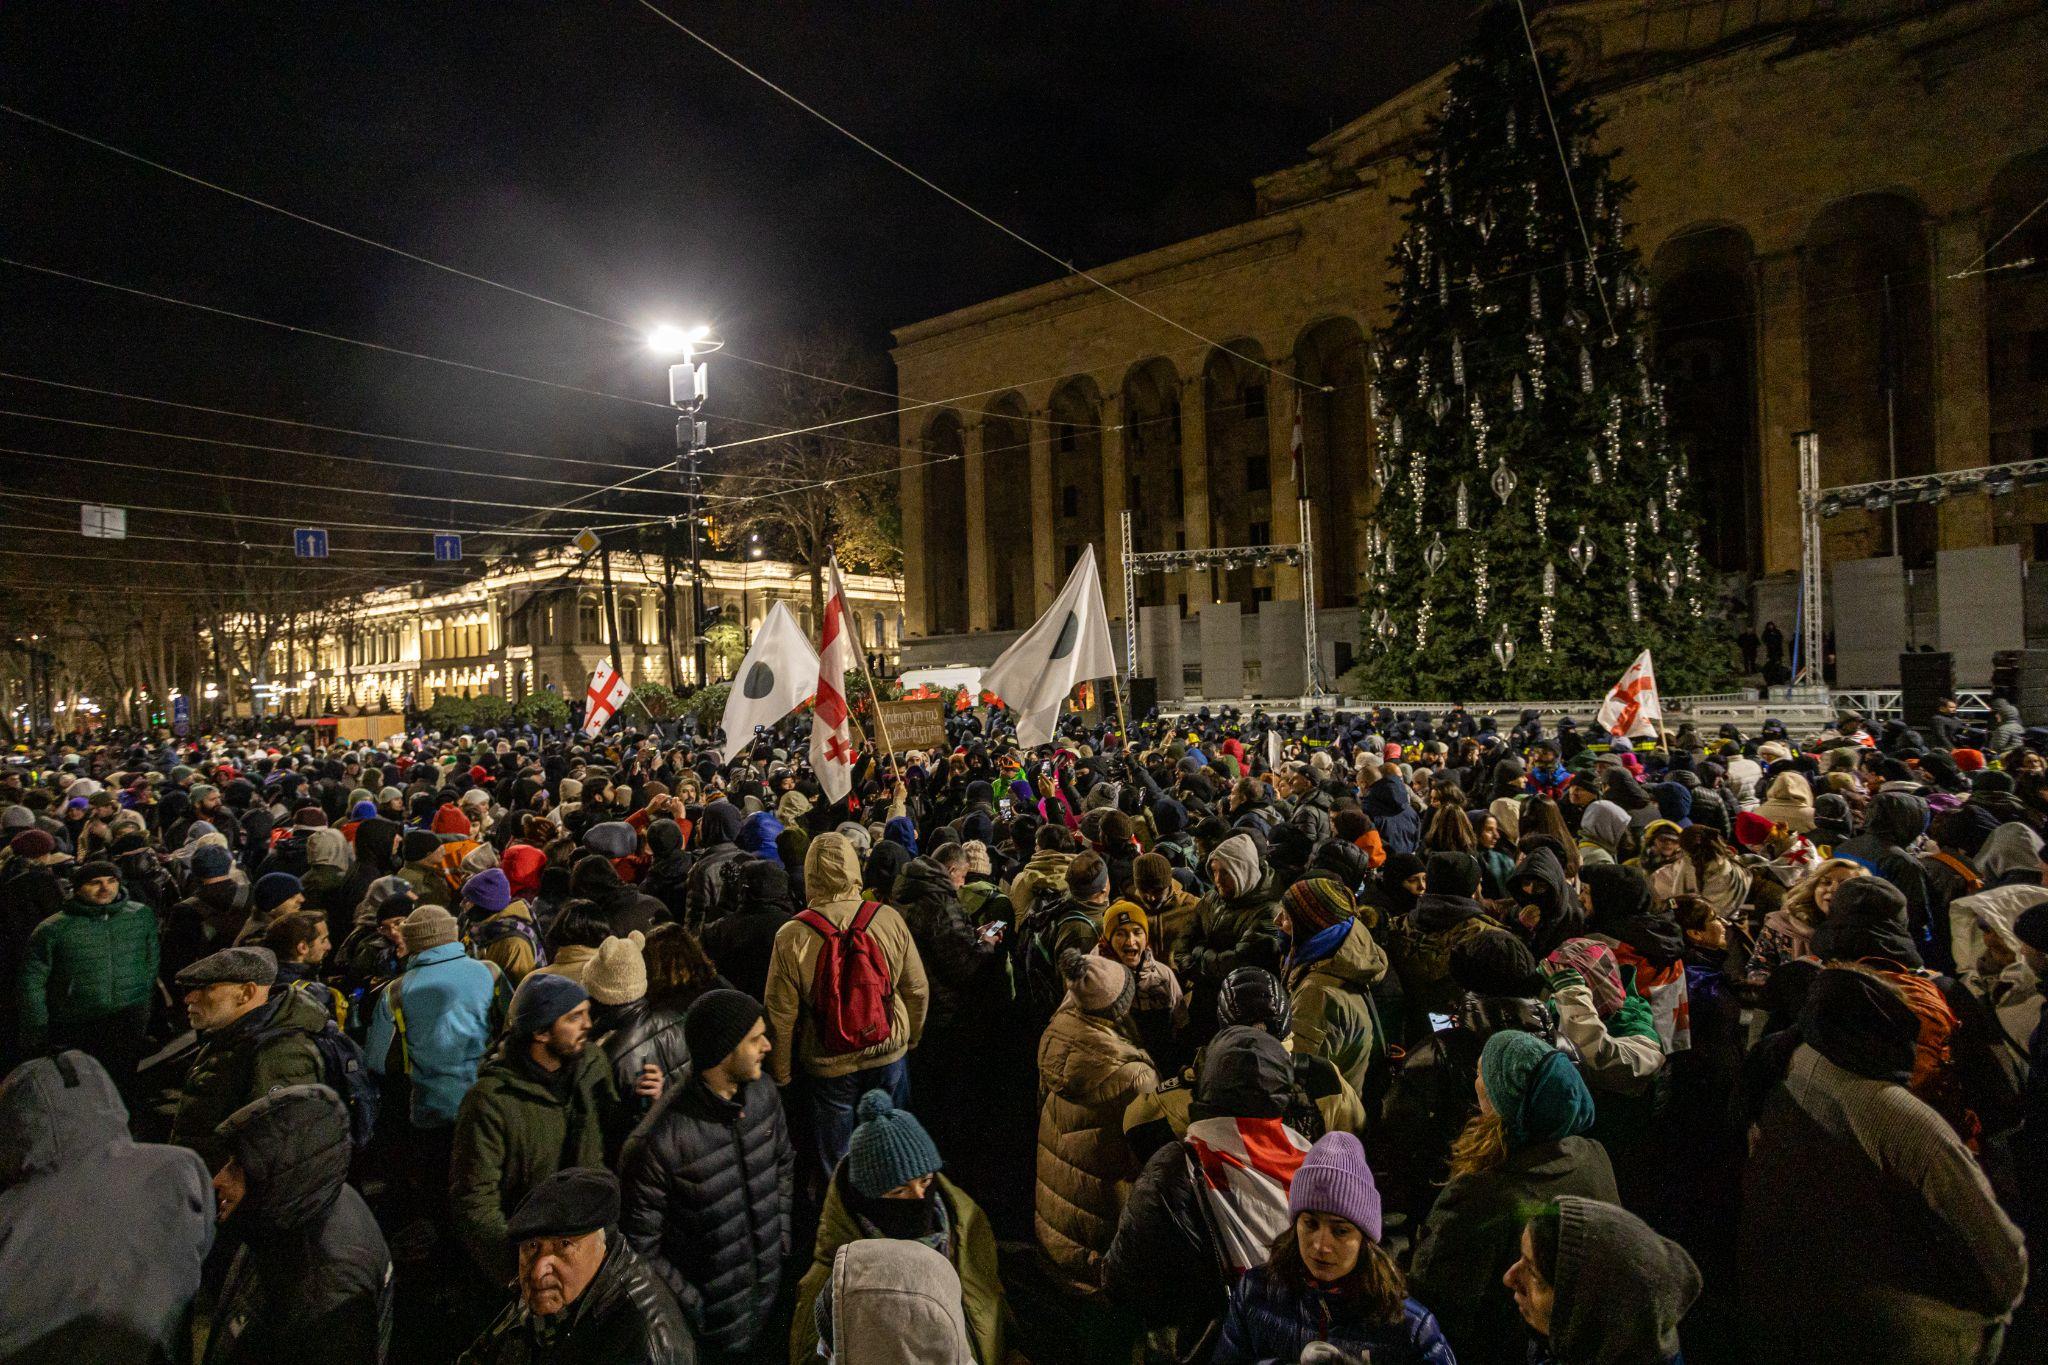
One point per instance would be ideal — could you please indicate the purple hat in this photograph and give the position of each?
(488, 890)
(1335, 1179)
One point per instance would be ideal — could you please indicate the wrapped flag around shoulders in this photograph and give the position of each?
(834, 741)
(1632, 707)
(774, 679)
(1244, 1169)
(1067, 645)
(608, 692)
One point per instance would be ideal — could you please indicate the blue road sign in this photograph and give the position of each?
(309, 543)
(447, 548)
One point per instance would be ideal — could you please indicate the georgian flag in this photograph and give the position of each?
(1245, 1169)
(1632, 708)
(608, 692)
(1067, 646)
(774, 679)
(834, 741)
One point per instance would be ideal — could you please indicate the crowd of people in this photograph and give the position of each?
(1337, 1037)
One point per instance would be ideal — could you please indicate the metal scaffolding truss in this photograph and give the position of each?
(1816, 504)
(1226, 557)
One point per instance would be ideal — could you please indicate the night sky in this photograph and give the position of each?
(586, 151)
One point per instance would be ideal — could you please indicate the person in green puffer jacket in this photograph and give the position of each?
(90, 973)
(1234, 927)
(1331, 967)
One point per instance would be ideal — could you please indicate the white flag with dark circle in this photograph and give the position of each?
(1065, 647)
(777, 676)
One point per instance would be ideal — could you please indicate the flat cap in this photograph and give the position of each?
(568, 1203)
(253, 966)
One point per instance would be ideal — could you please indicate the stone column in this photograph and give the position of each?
(1784, 402)
(1962, 393)
(1045, 566)
(916, 603)
(980, 594)
(1283, 397)
(1115, 495)
(1194, 479)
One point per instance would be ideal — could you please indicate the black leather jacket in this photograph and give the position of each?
(639, 1032)
(626, 1317)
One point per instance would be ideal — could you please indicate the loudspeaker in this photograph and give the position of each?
(1924, 679)
(2020, 676)
(1140, 696)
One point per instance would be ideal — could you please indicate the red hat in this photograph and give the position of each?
(449, 820)
(522, 865)
(1753, 830)
(1968, 760)
(478, 773)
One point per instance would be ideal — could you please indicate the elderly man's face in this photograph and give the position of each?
(554, 1271)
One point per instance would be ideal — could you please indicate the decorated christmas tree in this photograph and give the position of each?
(1532, 530)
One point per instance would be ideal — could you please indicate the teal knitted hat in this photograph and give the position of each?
(1534, 1088)
(890, 1148)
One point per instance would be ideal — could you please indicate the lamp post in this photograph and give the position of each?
(686, 392)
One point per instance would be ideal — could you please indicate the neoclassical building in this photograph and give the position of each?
(1817, 184)
(539, 625)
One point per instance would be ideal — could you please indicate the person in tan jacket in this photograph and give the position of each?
(1089, 1072)
(832, 882)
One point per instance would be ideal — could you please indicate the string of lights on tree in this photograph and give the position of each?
(1530, 530)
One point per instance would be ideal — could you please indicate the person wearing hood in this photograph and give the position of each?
(668, 868)
(1622, 913)
(1604, 834)
(1446, 915)
(1393, 890)
(838, 1078)
(109, 1289)
(708, 1178)
(712, 888)
(743, 943)
(1865, 1221)
(892, 1302)
(332, 883)
(891, 1187)
(1892, 826)
(312, 1277)
(1327, 1279)
(1598, 1286)
(1333, 962)
(584, 1293)
(1789, 802)
(624, 908)
(1525, 1146)
(1089, 1071)
(1390, 808)
(2012, 869)
(1234, 927)
(1546, 908)
(1207, 1206)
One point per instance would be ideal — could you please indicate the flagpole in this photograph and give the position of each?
(874, 695)
(1123, 722)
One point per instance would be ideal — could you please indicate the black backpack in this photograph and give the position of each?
(1044, 987)
(343, 1069)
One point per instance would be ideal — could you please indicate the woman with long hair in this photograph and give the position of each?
(1525, 1146)
(1540, 815)
(1329, 1279)
(1450, 831)
(1788, 931)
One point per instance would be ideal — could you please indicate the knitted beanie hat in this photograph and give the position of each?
(274, 889)
(1534, 1088)
(420, 843)
(542, 998)
(889, 1148)
(427, 927)
(618, 974)
(1122, 913)
(1100, 985)
(1316, 903)
(488, 890)
(35, 843)
(1335, 1179)
(718, 1023)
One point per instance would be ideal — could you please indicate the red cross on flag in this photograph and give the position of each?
(1632, 708)
(833, 738)
(608, 692)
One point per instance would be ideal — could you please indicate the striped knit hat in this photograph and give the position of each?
(1316, 903)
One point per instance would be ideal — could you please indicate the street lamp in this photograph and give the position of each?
(687, 382)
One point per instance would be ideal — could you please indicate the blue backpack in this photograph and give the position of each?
(343, 1069)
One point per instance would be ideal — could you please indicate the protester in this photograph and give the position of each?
(81, 1287)
(252, 1041)
(311, 1277)
(89, 972)
(708, 1179)
(1597, 1285)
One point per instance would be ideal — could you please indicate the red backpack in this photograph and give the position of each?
(850, 988)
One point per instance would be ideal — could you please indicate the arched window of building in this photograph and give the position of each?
(589, 621)
(629, 621)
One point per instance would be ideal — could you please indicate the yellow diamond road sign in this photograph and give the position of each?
(586, 541)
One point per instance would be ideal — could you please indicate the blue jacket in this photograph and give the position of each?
(1269, 1321)
(453, 1005)
(1393, 814)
